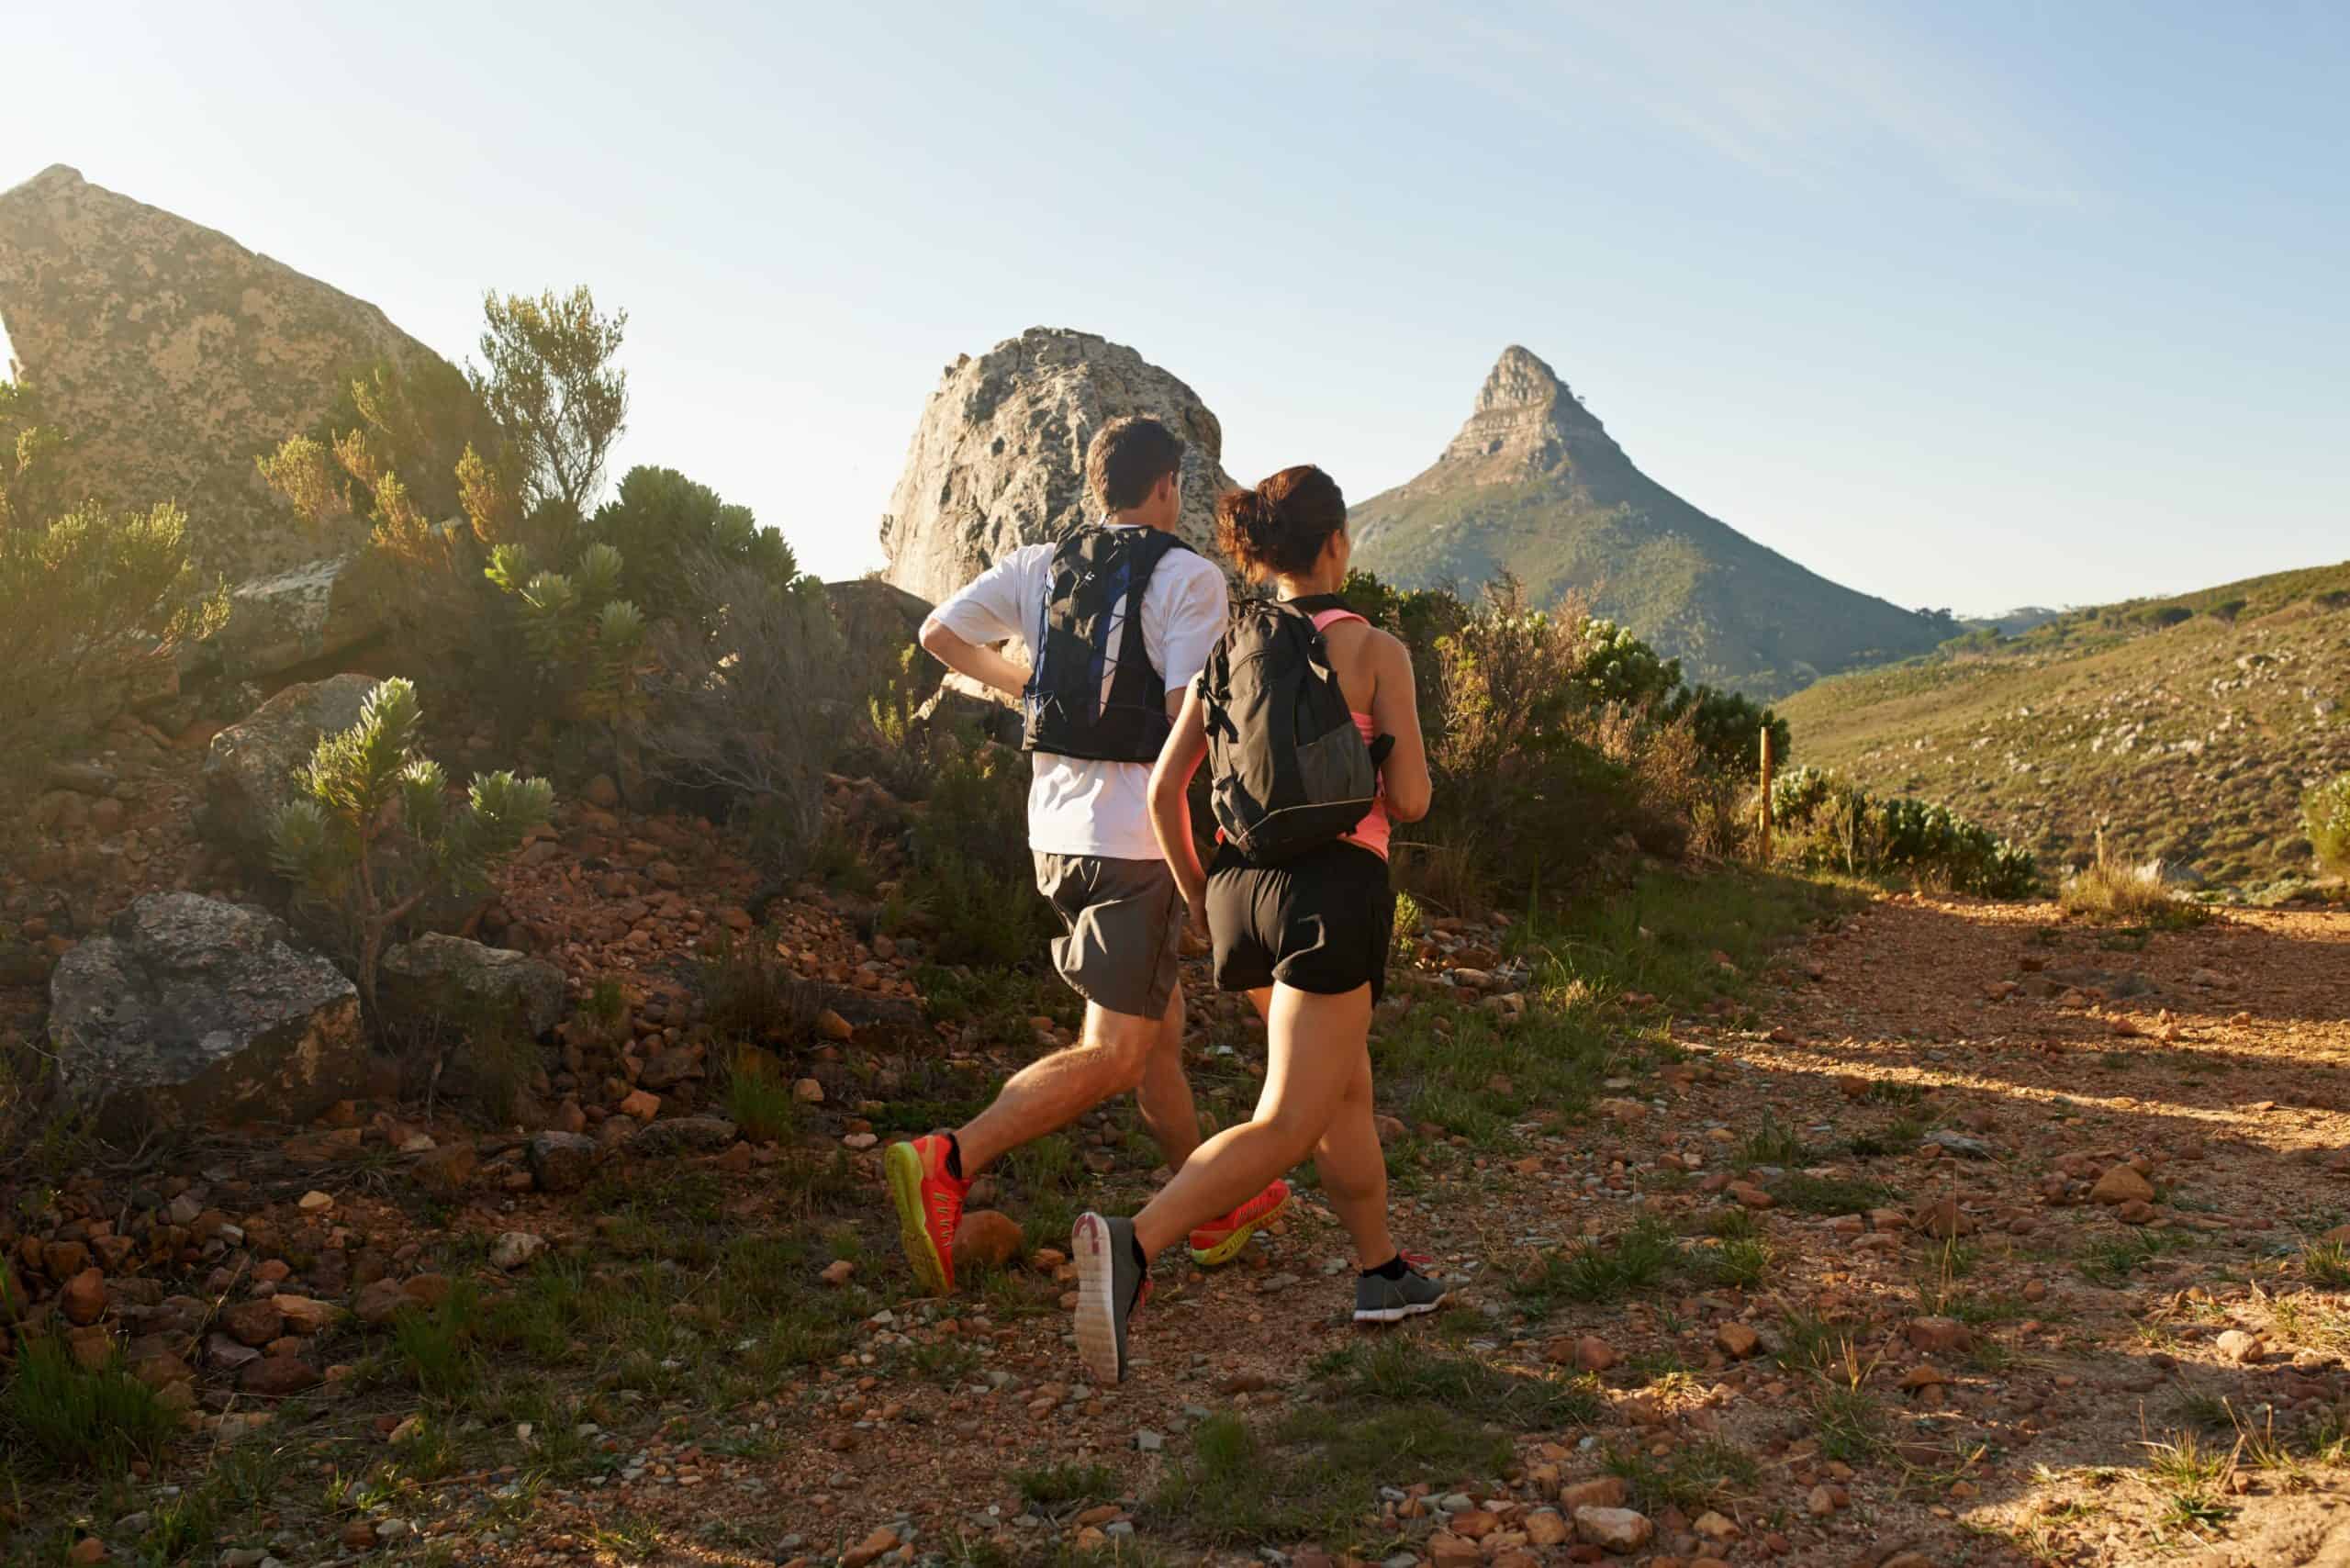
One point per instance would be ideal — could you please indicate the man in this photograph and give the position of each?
(1119, 618)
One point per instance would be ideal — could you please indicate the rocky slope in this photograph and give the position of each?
(997, 458)
(173, 356)
(1534, 486)
(2187, 728)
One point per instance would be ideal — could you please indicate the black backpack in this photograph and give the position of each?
(1288, 771)
(1067, 713)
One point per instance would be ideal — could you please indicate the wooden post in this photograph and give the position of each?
(1766, 794)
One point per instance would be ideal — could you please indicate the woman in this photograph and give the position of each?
(1307, 940)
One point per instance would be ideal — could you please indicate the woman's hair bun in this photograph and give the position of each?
(1281, 525)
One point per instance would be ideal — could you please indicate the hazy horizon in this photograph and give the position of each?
(1974, 311)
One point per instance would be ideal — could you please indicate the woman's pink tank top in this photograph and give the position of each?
(1371, 831)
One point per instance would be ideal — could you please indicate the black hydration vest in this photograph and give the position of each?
(1067, 710)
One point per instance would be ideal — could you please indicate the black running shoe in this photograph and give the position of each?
(1109, 1285)
(1379, 1300)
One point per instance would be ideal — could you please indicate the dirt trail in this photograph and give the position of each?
(1977, 1239)
(2022, 1350)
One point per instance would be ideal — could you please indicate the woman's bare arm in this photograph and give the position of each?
(1171, 805)
(1396, 710)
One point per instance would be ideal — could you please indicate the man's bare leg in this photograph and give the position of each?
(1164, 1096)
(1116, 1053)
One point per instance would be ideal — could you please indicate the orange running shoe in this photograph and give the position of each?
(1221, 1239)
(929, 1205)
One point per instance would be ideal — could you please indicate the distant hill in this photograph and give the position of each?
(2014, 623)
(1534, 486)
(2189, 727)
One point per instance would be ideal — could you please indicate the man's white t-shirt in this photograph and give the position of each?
(1075, 806)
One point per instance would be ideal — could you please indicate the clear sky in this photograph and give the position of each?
(1964, 305)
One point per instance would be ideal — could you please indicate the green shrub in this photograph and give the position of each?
(749, 708)
(970, 846)
(669, 529)
(372, 837)
(1828, 821)
(91, 601)
(77, 1419)
(2325, 817)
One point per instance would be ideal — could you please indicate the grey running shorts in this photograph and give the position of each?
(1124, 921)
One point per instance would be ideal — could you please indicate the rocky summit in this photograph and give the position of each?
(175, 356)
(1535, 487)
(998, 460)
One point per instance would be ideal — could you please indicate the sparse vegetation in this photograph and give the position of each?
(2111, 893)
(372, 835)
(2187, 737)
(95, 605)
(2325, 817)
(81, 1419)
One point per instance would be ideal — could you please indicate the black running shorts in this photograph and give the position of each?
(1321, 922)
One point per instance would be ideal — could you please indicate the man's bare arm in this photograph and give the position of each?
(981, 663)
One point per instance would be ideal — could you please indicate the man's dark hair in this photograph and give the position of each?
(1128, 458)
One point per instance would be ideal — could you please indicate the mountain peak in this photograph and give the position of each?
(1519, 380)
(1526, 420)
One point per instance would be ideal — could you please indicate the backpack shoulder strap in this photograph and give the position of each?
(1325, 619)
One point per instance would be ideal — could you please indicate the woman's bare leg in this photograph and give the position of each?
(1354, 1172)
(1315, 1047)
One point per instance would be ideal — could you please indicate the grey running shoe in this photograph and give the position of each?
(1109, 1285)
(1379, 1300)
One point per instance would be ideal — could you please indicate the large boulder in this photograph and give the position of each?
(878, 622)
(439, 979)
(250, 770)
(299, 616)
(175, 356)
(998, 460)
(191, 1009)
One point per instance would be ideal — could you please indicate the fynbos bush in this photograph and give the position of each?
(372, 835)
(1828, 821)
(2325, 816)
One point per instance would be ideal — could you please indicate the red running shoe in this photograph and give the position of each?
(929, 1205)
(1221, 1239)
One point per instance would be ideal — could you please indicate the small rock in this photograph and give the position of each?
(562, 1162)
(1750, 1196)
(83, 1299)
(2121, 1185)
(870, 1548)
(358, 1535)
(276, 1377)
(987, 1238)
(315, 1203)
(1150, 1441)
(2238, 1346)
(808, 1092)
(86, 1551)
(1599, 1492)
(837, 1273)
(1737, 1340)
(514, 1249)
(832, 1026)
(1939, 1336)
(1620, 1530)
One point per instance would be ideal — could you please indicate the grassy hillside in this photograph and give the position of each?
(2187, 726)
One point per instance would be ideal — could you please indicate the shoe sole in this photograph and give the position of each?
(1229, 1248)
(1397, 1313)
(902, 1166)
(1097, 1324)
